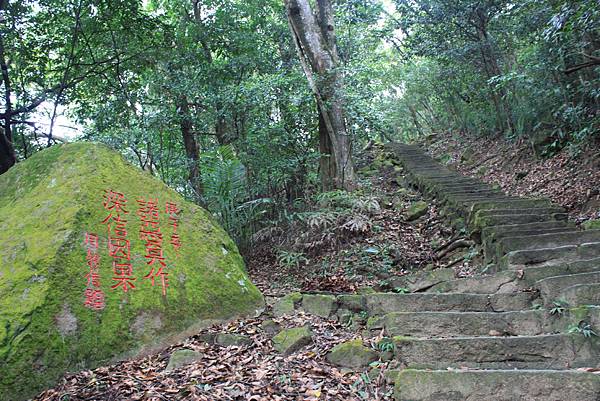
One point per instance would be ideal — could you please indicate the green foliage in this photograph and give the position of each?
(583, 328)
(291, 259)
(559, 307)
(521, 69)
(386, 345)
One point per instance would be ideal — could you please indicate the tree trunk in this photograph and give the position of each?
(490, 62)
(7, 153)
(314, 37)
(191, 148)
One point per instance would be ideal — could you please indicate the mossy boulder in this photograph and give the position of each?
(352, 354)
(291, 340)
(47, 205)
(416, 210)
(182, 357)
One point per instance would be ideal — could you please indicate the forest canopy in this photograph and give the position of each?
(228, 103)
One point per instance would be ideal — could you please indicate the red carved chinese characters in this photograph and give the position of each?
(94, 297)
(172, 211)
(152, 236)
(119, 247)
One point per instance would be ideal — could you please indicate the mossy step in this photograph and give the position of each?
(469, 191)
(581, 294)
(515, 203)
(549, 256)
(457, 324)
(496, 385)
(491, 241)
(504, 219)
(501, 231)
(508, 281)
(535, 210)
(551, 286)
(552, 351)
(551, 240)
(383, 303)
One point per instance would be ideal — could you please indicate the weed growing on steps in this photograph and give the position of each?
(583, 328)
(559, 307)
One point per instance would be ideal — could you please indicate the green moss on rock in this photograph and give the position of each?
(319, 305)
(352, 354)
(592, 224)
(287, 304)
(47, 204)
(416, 210)
(291, 340)
(182, 357)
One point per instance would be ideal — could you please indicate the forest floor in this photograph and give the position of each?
(570, 178)
(338, 244)
(385, 245)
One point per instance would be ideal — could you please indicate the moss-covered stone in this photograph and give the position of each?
(47, 204)
(352, 354)
(182, 357)
(228, 340)
(291, 340)
(287, 304)
(592, 224)
(320, 305)
(416, 210)
(270, 327)
(354, 303)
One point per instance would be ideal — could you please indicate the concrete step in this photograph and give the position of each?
(497, 232)
(496, 385)
(509, 281)
(551, 240)
(507, 219)
(536, 210)
(491, 244)
(520, 203)
(550, 287)
(457, 324)
(549, 256)
(383, 303)
(552, 351)
(581, 294)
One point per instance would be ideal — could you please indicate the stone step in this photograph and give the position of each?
(509, 281)
(520, 203)
(457, 324)
(490, 245)
(383, 303)
(505, 219)
(551, 240)
(551, 351)
(536, 210)
(496, 385)
(549, 256)
(581, 294)
(495, 232)
(550, 287)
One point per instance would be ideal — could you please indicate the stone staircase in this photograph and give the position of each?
(522, 331)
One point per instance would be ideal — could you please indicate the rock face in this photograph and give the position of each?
(67, 299)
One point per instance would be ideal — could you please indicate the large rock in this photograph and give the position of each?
(47, 205)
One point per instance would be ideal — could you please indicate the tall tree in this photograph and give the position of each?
(314, 36)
